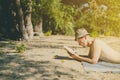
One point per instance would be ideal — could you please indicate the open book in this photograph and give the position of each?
(69, 50)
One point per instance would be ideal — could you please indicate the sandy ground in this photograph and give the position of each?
(45, 59)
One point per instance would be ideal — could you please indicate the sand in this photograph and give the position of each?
(45, 59)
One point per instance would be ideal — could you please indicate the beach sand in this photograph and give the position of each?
(45, 59)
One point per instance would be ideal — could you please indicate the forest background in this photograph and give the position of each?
(22, 19)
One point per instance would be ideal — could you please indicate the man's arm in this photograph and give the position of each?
(80, 58)
(95, 52)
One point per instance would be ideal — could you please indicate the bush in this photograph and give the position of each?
(20, 48)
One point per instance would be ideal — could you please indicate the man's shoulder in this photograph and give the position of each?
(98, 41)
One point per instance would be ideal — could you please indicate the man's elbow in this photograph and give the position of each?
(94, 62)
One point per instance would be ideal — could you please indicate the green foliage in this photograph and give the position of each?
(56, 16)
(59, 18)
(20, 48)
(94, 33)
(65, 21)
(112, 17)
(48, 33)
(102, 18)
(89, 18)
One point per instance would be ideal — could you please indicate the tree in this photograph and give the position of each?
(56, 17)
(59, 18)
(24, 19)
(100, 17)
(8, 20)
(37, 18)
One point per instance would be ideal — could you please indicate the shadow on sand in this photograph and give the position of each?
(17, 67)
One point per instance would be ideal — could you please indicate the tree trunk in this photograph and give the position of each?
(20, 16)
(38, 28)
(24, 20)
(28, 23)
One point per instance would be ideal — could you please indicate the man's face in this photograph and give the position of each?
(82, 41)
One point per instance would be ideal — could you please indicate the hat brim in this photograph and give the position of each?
(80, 36)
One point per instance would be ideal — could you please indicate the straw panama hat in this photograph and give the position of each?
(80, 33)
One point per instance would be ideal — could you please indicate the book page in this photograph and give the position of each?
(69, 50)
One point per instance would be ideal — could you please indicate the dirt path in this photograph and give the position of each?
(45, 59)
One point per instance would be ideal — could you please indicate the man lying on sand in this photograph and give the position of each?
(98, 49)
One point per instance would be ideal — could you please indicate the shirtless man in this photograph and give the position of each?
(98, 49)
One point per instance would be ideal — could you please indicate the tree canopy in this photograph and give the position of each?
(63, 17)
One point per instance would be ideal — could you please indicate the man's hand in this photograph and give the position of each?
(72, 55)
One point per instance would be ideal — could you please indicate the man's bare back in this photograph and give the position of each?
(106, 52)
